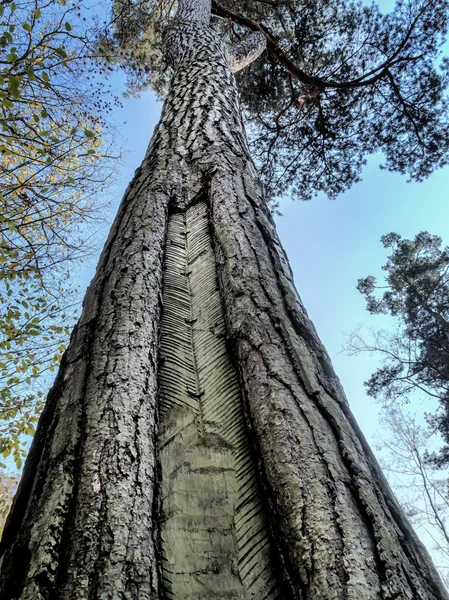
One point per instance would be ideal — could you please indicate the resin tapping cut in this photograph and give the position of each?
(215, 540)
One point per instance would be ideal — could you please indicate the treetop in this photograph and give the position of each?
(338, 82)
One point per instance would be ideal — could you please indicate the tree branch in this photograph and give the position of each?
(245, 52)
(273, 48)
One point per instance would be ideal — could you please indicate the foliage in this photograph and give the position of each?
(421, 489)
(416, 295)
(338, 81)
(52, 129)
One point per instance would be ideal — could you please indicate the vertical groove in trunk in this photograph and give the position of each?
(215, 540)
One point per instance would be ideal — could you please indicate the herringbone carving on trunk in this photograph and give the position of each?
(215, 539)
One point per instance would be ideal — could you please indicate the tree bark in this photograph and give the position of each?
(205, 450)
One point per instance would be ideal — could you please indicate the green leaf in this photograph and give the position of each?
(26, 26)
(89, 134)
(62, 53)
(68, 27)
(13, 86)
(13, 7)
(37, 13)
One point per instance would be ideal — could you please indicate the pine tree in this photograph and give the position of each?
(196, 442)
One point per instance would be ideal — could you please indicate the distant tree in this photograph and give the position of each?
(53, 161)
(421, 488)
(416, 356)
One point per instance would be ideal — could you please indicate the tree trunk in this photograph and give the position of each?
(205, 450)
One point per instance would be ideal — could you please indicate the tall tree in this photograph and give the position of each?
(416, 355)
(196, 442)
(421, 488)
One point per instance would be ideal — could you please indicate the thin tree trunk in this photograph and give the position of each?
(205, 487)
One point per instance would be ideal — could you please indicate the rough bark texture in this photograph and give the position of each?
(82, 523)
(95, 515)
(341, 531)
(245, 52)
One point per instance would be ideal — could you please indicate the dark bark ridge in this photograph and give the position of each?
(85, 522)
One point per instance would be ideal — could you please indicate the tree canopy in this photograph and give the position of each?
(416, 295)
(339, 81)
(53, 159)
